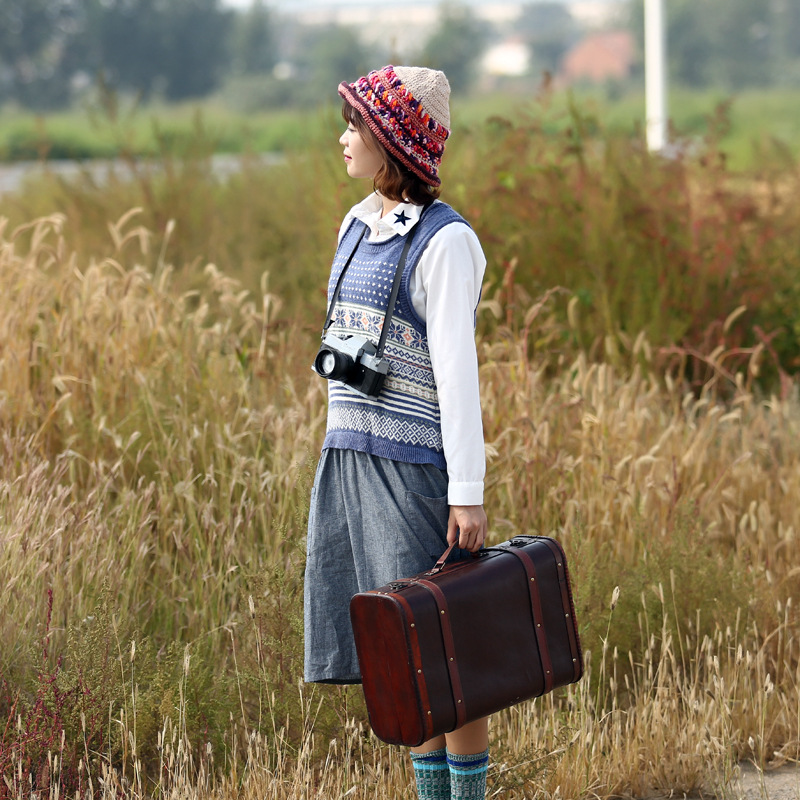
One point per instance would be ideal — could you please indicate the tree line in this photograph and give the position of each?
(730, 44)
(52, 50)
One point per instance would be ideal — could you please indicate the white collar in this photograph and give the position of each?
(400, 219)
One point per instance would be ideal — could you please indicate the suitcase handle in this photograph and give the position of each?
(437, 567)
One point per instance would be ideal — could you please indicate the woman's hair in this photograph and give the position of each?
(393, 180)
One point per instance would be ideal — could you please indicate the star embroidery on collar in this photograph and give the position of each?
(401, 218)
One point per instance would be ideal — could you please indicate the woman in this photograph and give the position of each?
(401, 473)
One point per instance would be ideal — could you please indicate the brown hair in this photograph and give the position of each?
(393, 180)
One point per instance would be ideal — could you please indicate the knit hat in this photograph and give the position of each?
(407, 109)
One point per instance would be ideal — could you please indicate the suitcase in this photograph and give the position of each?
(466, 639)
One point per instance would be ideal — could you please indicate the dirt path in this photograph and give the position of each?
(775, 784)
(782, 783)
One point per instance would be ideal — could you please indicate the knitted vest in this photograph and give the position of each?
(403, 422)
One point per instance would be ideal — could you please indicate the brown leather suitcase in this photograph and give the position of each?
(466, 639)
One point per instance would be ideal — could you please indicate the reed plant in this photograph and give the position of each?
(668, 246)
(160, 428)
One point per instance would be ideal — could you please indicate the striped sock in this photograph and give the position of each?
(432, 774)
(468, 775)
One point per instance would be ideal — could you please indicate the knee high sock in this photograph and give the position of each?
(432, 775)
(468, 775)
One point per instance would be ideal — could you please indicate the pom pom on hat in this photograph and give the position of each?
(408, 109)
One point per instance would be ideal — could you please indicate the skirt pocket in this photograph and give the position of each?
(427, 525)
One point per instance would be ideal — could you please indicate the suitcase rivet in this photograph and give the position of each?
(566, 615)
(412, 625)
(548, 672)
(451, 659)
(442, 611)
(533, 579)
(574, 660)
(419, 671)
(429, 713)
(459, 701)
(538, 624)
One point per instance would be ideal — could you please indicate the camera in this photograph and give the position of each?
(353, 361)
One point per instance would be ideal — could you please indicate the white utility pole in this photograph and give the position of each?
(655, 64)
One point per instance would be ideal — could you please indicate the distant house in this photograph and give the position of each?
(510, 57)
(599, 57)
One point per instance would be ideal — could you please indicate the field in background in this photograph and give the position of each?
(755, 125)
(637, 340)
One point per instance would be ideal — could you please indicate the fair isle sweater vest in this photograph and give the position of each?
(403, 422)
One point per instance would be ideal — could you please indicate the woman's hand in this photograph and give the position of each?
(468, 525)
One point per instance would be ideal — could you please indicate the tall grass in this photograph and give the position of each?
(160, 427)
(556, 199)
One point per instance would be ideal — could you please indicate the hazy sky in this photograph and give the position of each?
(306, 3)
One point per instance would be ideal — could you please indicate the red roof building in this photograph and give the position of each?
(599, 57)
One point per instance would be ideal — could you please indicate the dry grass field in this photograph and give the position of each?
(159, 427)
(156, 456)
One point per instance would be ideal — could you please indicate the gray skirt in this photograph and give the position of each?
(371, 521)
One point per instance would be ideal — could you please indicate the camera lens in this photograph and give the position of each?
(327, 363)
(333, 365)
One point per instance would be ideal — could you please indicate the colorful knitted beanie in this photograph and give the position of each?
(407, 109)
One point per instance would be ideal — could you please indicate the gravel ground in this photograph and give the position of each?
(782, 783)
(751, 783)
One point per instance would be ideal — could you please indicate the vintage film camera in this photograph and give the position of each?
(353, 361)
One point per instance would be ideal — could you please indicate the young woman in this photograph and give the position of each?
(401, 473)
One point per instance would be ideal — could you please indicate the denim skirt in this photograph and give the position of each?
(371, 521)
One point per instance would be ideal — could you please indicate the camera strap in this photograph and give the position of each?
(335, 297)
(398, 275)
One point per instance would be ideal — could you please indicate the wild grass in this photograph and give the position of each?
(154, 477)
(556, 198)
(160, 428)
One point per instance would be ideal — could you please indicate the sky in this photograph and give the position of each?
(287, 4)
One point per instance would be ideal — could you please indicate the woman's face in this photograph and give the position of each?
(360, 157)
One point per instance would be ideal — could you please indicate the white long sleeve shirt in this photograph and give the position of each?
(445, 294)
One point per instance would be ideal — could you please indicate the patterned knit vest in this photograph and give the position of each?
(403, 422)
